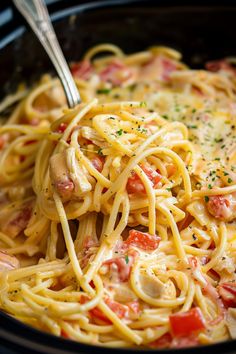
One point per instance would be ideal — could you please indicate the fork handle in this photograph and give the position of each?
(36, 14)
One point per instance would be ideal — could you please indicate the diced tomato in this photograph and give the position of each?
(29, 142)
(217, 65)
(166, 341)
(120, 310)
(227, 292)
(115, 73)
(222, 207)
(214, 275)
(64, 334)
(122, 265)
(95, 312)
(168, 67)
(184, 342)
(162, 342)
(185, 222)
(98, 162)
(153, 175)
(61, 128)
(143, 240)
(65, 188)
(17, 221)
(98, 314)
(207, 288)
(218, 206)
(2, 142)
(185, 323)
(135, 185)
(91, 283)
(82, 70)
(212, 245)
(158, 68)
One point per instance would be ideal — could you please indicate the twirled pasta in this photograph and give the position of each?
(117, 221)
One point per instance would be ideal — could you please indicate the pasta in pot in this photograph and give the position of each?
(117, 221)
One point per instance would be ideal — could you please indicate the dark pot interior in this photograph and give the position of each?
(201, 31)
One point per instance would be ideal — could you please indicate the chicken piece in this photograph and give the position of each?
(151, 286)
(77, 174)
(155, 288)
(67, 175)
(8, 262)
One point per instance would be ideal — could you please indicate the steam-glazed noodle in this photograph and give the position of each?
(117, 221)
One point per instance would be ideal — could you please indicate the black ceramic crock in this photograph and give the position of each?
(199, 29)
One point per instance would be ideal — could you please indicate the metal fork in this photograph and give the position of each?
(36, 14)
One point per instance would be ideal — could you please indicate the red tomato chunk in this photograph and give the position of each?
(162, 342)
(135, 185)
(143, 240)
(185, 323)
(98, 163)
(61, 128)
(82, 70)
(227, 292)
(123, 265)
(120, 310)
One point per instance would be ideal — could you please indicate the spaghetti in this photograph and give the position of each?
(117, 221)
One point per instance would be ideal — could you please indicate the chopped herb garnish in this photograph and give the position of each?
(132, 87)
(126, 259)
(209, 186)
(142, 130)
(194, 110)
(225, 173)
(168, 189)
(111, 118)
(218, 140)
(206, 199)
(165, 116)
(104, 91)
(192, 126)
(119, 132)
(217, 159)
(230, 180)
(143, 104)
(100, 152)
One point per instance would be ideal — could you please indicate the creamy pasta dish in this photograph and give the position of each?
(117, 217)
